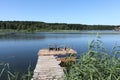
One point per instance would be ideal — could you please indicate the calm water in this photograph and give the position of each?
(20, 50)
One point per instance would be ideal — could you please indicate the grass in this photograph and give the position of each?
(6, 74)
(95, 64)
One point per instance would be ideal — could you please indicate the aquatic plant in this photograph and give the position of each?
(95, 64)
(6, 74)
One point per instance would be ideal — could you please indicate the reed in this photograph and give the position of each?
(95, 64)
(6, 74)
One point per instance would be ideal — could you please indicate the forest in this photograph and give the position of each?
(43, 26)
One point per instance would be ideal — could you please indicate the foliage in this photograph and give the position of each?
(95, 65)
(31, 26)
(6, 74)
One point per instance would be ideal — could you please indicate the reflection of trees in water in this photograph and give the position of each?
(35, 36)
(21, 37)
(44, 35)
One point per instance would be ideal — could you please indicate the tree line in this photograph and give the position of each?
(34, 25)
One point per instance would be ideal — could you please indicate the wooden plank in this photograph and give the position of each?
(47, 52)
(47, 68)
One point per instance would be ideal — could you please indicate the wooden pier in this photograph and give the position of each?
(47, 52)
(47, 67)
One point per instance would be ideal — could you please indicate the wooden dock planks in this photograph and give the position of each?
(47, 52)
(48, 68)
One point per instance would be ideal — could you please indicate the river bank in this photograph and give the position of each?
(4, 32)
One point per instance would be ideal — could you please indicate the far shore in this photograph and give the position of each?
(4, 32)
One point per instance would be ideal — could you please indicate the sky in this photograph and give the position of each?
(92, 12)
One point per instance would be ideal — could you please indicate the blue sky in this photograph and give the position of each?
(105, 12)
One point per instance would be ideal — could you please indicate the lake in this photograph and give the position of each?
(20, 49)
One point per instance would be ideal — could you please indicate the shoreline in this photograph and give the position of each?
(5, 32)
